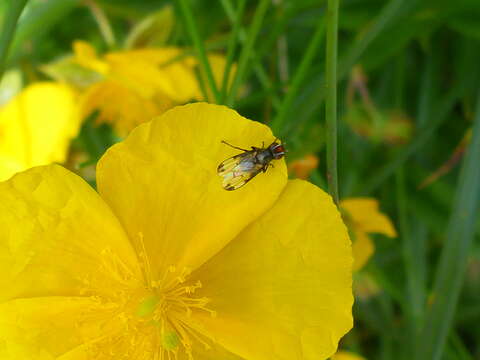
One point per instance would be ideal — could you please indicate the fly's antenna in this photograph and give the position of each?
(235, 147)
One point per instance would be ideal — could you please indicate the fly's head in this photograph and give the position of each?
(277, 149)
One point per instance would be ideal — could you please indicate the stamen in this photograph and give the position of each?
(145, 262)
(196, 334)
(152, 322)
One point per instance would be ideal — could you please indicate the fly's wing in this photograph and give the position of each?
(238, 170)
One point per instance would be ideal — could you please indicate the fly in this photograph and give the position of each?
(241, 168)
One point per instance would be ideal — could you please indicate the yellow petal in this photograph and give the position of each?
(363, 248)
(162, 184)
(121, 106)
(346, 355)
(365, 216)
(86, 56)
(49, 328)
(150, 71)
(282, 288)
(59, 238)
(36, 127)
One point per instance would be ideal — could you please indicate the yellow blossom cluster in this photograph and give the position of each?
(137, 85)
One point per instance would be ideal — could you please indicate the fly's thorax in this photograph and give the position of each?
(264, 156)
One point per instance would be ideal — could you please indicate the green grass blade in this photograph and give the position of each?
(267, 44)
(298, 78)
(414, 302)
(237, 26)
(246, 53)
(453, 260)
(8, 30)
(193, 32)
(331, 98)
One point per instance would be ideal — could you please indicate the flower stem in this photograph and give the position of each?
(192, 29)
(10, 22)
(331, 98)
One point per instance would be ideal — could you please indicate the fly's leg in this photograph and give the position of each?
(254, 148)
(266, 166)
(235, 147)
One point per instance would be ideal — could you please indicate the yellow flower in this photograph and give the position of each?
(36, 127)
(140, 84)
(163, 263)
(363, 217)
(346, 355)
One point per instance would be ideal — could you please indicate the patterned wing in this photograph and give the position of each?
(238, 170)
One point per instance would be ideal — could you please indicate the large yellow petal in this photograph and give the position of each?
(282, 288)
(366, 216)
(58, 237)
(36, 127)
(162, 184)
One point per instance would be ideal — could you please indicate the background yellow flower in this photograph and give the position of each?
(363, 217)
(36, 127)
(140, 84)
(163, 262)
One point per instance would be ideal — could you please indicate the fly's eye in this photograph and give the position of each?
(278, 151)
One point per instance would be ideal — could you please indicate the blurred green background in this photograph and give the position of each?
(408, 109)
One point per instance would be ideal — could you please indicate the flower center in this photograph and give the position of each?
(168, 307)
(149, 322)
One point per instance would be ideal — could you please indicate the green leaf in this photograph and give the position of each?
(154, 30)
(9, 25)
(66, 69)
(38, 20)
